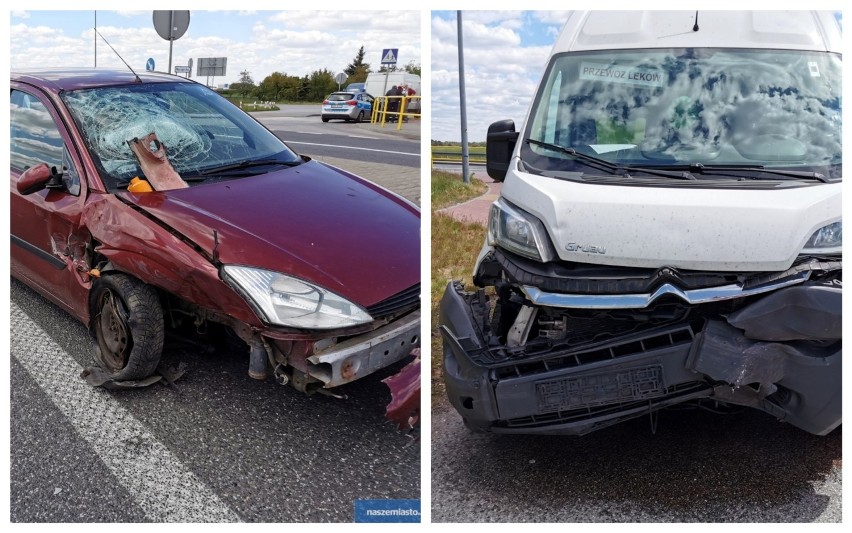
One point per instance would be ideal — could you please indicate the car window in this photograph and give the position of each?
(35, 139)
(339, 97)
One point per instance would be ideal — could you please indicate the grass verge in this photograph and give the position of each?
(449, 189)
(455, 246)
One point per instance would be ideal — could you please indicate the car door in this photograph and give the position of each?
(48, 243)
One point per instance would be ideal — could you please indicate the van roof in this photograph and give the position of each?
(792, 30)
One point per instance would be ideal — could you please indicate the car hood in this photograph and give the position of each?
(312, 221)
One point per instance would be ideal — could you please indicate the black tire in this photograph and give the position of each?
(360, 116)
(325, 119)
(127, 320)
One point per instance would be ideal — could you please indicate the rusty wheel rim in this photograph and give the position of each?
(113, 333)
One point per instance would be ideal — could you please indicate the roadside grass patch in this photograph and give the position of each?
(455, 246)
(449, 189)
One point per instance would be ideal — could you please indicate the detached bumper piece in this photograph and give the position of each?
(779, 352)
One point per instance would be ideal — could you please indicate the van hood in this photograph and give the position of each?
(312, 221)
(696, 228)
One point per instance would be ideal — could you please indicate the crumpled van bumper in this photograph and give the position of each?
(781, 354)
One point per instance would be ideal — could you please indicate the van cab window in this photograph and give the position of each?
(771, 108)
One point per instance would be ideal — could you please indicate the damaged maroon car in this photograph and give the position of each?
(147, 205)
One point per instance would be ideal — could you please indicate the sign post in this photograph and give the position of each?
(389, 56)
(340, 78)
(171, 25)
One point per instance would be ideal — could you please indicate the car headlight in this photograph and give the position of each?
(826, 239)
(517, 231)
(287, 301)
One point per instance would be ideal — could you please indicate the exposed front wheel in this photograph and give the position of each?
(128, 326)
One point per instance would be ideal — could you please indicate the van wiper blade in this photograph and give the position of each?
(246, 164)
(612, 167)
(699, 168)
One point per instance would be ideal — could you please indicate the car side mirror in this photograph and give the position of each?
(499, 145)
(37, 178)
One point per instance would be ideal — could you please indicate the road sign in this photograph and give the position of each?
(150, 64)
(340, 78)
(181, 69)
(171, 25)
(212, 66)
(389, 56)
(189, 64)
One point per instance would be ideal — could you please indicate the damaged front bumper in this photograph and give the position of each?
(511, 366)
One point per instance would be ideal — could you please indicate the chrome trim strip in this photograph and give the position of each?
(641, 301)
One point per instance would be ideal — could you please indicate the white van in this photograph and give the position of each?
(669, 229)
(378, 83)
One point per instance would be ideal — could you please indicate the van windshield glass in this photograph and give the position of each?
(715, 107)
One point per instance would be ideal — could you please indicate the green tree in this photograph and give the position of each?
(245, 86)
(360, 74)
(320, 84)
(413, 68)
(357, 64)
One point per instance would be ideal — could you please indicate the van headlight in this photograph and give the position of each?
(827, 239)
(517, 231)
(287, 301)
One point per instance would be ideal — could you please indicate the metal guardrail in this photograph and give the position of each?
(381, 111)
(450, 156)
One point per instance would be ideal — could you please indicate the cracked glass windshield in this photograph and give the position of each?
(200, 130)
(667, 108)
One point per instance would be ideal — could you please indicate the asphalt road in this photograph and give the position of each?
(218, 447)
(698, 467)
(358, 148)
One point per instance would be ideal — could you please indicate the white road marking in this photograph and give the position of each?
(353, 148)
(163, 488)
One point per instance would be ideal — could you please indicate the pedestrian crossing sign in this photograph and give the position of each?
(389, 56)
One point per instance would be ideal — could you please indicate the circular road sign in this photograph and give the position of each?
(149, 65)
(170, 28)
(340, 78)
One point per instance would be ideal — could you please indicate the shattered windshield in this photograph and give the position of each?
(680, 107)
(199, 129)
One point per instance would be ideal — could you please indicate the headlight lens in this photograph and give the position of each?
(287, 301)
(827, 238)
(516, 230)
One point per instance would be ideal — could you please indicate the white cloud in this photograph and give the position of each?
(21, 14)
(501, 71)
(298, 45)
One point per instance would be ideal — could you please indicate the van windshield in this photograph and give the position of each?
(676, 107)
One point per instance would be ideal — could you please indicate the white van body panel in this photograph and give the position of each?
(682, 227)
(790, 30)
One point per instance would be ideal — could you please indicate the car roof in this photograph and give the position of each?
(69, 79)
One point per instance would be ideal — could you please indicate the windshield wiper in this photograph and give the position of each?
(618, 170)
(699, 168)
(246, 164)
(612, 167)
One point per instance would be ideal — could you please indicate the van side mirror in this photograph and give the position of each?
(499, 145)
(37, 178)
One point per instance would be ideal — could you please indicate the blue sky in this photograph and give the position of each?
(505, 54)
(295, 42)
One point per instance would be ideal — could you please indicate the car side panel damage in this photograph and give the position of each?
(513, 367)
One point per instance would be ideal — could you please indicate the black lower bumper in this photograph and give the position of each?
(796, 379)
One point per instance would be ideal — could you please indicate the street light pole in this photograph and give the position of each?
(463, 107)
(96, 38)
